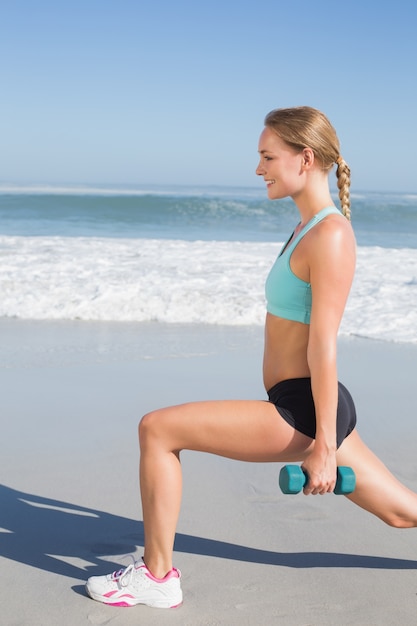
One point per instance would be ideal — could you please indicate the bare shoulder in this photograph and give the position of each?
(331, 254)
(328, 248)
(333, 236)
(334, 224)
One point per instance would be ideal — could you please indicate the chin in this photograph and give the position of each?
(273, 194)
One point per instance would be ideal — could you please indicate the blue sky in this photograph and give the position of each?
(162, 92)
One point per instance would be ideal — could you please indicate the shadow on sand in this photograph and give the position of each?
(71, 540)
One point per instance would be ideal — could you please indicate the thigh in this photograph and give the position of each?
(377, 489)
(245, 430)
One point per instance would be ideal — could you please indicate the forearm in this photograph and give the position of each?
(324, 386)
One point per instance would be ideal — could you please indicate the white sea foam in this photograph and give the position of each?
(213, 282)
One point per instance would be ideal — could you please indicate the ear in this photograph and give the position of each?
(308, 158)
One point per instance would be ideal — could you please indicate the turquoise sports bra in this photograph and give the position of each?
(287, 295)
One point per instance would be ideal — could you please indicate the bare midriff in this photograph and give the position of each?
(285, 351)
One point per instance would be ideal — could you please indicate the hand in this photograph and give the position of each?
(321, 471)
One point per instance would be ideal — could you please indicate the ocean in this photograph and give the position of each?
(189, 255)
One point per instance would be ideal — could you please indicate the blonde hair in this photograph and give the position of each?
(305, 127)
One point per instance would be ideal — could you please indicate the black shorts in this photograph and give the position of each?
(293, 400)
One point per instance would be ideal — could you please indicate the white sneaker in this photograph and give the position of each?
(136, 585)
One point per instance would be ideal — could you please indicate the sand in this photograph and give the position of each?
(71, 396)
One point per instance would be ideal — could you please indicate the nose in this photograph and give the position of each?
(260, 170)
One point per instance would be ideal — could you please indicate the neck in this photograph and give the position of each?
(313, 199)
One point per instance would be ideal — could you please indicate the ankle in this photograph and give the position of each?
(158, 570)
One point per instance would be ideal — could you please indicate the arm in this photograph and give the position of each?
(331, 262)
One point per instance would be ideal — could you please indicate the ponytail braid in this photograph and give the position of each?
(343, 184)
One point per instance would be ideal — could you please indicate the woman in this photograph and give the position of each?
(310, 417)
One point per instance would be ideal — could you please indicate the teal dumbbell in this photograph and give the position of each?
(292, 479)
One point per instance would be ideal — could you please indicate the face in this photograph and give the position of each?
(280, 166)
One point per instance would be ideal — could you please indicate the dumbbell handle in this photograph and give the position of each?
(293, 478)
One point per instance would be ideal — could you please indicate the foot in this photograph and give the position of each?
(136, 585)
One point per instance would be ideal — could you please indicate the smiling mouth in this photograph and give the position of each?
(269, 182)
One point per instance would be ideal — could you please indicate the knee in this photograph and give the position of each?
(149, 428)
(397, 521)
(155, 428)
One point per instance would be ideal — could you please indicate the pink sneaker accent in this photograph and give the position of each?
(172, 574)
(136, 585)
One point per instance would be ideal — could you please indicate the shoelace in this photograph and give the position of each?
(122, 573)
(128, 572)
